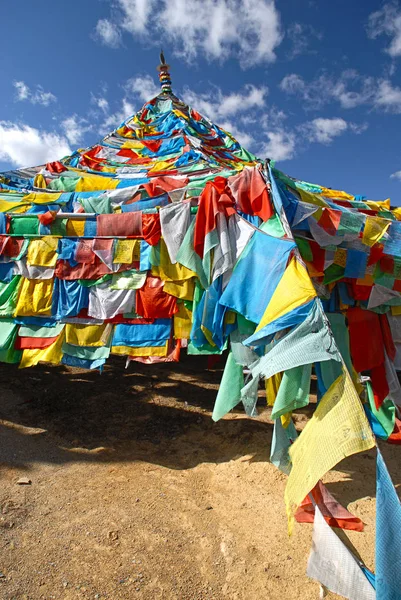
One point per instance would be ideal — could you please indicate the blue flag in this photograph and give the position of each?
(388, 535)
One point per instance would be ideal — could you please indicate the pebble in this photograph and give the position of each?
(24, 481)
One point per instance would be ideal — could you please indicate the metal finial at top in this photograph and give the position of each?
(164, 74)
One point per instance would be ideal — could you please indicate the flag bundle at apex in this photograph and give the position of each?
(169, 234)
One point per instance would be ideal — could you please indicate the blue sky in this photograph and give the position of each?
(312, 83)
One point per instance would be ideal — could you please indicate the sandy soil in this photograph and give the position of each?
(136, 493)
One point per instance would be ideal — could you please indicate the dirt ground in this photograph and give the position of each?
(136, 493)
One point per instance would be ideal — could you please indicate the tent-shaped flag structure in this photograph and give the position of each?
(169, 234)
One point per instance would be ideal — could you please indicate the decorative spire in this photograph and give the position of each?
(164, 75)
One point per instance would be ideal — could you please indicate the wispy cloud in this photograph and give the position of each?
(114, 119)
(349, 89)
(100, 102)
(36, 96)
(387, 97)
(75, 128)
(324, 131)
(217, 105)
(23, 145)
(279, 145)
(387, 21)
(143, 87)
(108, 33)
(249, 30)
(301, 36)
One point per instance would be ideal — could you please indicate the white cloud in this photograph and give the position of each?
(22, 90)
(293, 84)
(101, 102)
(108, 33)
(396, 175)
(388, 97)
(217, 105)
(252, 97)
(300, 36)
(324, 130)
(350, 89)
(280, 145)
(136, 14)
(113, 120)
(143, 86)
(243, 137)
(218, 29)
(75, 128)
(23, 145)
(358, 128)
(38, 96)
(387, 21)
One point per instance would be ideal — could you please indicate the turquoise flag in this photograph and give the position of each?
(229, 394)
(388, 535)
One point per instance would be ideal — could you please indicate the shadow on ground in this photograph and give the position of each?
(134, 414)
(158, 414)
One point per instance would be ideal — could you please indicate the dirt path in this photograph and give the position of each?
(136, 493)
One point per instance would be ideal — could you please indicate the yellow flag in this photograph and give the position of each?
(338, 428)
(397, 213)
(127, 251)
(93, 183)
(311, 198)
(53, 354)
(229, 318)
(88, 335)
(340, 257)
(162, 165)
(180, 289)
(76, 227)
(168, 271)
(180, 114)
(42, 197)
(272, 385)
(135, 144)
(327, 193)
(208, 335)
(379, 204)
(375, 228)
(182, 322)
(294, 289)
(42, 253)
(34, 298)
(40, 181)
(286, 419)
(17, 207)
(143, 351)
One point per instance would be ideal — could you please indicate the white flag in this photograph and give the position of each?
(334, 566)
